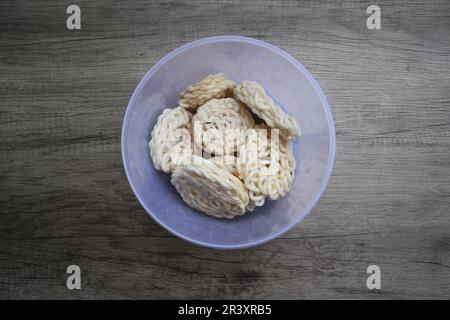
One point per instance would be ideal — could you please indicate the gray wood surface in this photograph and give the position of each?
(64, 197)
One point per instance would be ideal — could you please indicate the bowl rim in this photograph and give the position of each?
(301, 68)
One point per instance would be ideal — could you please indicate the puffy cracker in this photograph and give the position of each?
(214, 86)
(207, 188)
(220, 126)
(171, 139)
(271, 175)
(255, 97)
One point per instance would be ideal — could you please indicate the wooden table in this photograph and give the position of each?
(64, 197)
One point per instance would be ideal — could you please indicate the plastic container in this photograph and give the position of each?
(239, 58)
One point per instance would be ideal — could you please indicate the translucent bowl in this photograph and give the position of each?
(239, 58)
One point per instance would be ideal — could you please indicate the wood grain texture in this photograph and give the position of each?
(64, 197)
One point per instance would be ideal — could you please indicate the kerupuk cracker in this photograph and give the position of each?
(220, 126)
(171, 139)
(255, 97)
(214, 86)
(222, 163)
(265, 165)
(210, 189)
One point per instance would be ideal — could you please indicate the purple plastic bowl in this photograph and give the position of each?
(239, 58)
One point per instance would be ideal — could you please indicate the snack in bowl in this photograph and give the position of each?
(223, 162)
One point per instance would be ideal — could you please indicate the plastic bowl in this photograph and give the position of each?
(239, 58)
